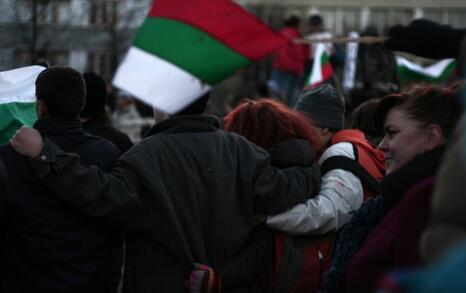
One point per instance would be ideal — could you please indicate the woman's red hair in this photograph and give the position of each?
(267, 122)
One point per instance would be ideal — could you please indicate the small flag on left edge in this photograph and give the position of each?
(17, 99)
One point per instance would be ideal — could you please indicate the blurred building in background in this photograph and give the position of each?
(342, 16)
(85, 34)
(94, 34)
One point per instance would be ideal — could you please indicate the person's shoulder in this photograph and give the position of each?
(344, 149)
(101, 145)
(237, 139)
(116, 136)
(7, 151)
(3, 148)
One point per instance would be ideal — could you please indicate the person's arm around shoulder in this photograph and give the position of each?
(340, 194)
(108, 198)
(276, 190)
(106, 155)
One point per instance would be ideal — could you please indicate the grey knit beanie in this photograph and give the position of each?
(324, 105)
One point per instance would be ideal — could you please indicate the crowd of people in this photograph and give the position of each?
(281, 195)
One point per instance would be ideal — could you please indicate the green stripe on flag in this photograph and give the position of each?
(189, 48)
(324, 58)
(408, 74)
(13, 116)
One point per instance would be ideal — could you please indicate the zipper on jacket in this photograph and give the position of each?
(320, 256)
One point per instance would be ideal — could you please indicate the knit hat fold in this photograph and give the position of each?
(324, 105)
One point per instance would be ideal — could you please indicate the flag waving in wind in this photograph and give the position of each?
(17, 99)
(184, 47)
(322, 69)
(435, 73)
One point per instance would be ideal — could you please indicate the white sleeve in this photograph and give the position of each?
(340, 194)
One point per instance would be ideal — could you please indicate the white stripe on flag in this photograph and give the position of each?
(316, 72)
(18, 85)
(434, 70)
(158, 82)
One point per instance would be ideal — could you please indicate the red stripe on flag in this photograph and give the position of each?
(327, 71)
(311, 86)
(224, 20)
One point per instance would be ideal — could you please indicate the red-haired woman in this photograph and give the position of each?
(267, 122)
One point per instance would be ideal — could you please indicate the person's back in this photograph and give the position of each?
(187, 193)
(48, 246)
(212, 215)
(289, 63)
(292, 57)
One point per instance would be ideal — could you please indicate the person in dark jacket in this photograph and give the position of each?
(385, 232)
(47, 246)
(187, 193)
(426, 38)
(282, 132)
(94, 116)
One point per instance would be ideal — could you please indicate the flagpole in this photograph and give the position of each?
(363, 40)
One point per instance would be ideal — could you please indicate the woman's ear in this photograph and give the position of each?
(433, 136)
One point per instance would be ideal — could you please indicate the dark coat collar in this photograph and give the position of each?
(397, 183)
(65, 133)
(183, 124)
(58, 127)
(96, 120)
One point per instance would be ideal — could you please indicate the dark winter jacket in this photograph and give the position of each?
(48, 246)
(426, 38)
(99, 127)
(187, 193)
(384, 233)
(256, 258)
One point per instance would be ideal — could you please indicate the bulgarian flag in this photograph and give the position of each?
(321, 70)
(434, 73)
(184, 47)
(17, 99)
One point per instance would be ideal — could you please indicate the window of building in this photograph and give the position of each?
(103, 12)
(22, 57)
(100, 62)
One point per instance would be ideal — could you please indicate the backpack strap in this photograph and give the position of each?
(347, 164)
(303, 262)
(291, 266)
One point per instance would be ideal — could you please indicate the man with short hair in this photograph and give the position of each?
(48, 246)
